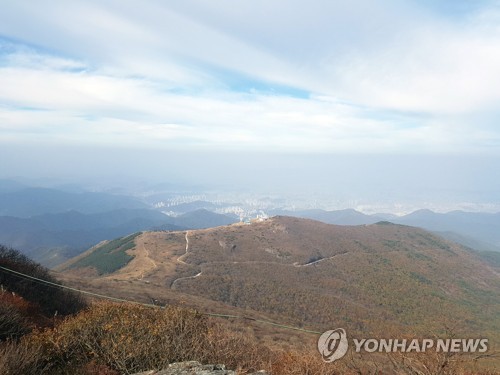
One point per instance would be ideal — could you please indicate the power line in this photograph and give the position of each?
(36, 279)
(227, 316)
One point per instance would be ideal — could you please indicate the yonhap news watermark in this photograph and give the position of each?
(333, 345)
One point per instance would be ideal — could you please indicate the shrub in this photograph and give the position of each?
(19, 359)
(299, 363)
(50, 299)
(12, 323)
(109, 257)
(110, 338)
(127, 338)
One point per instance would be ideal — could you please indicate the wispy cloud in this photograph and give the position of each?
(397, 76)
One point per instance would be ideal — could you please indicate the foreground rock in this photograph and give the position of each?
(194, 368)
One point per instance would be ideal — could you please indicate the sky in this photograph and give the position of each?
(138, 82)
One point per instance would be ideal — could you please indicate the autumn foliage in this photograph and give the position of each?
(49, 299)
(128, 338)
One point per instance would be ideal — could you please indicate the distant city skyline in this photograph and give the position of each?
(369, 183)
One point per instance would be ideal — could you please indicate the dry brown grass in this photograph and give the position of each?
(113, 338)
(126, 338)
(18, 359)
(13, 323)
(110, 338)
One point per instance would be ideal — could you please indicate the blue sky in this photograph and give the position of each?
(277, 76)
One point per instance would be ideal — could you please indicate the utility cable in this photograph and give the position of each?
(227, 316)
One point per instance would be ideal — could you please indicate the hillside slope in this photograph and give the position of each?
(478, 230)
(373, 278)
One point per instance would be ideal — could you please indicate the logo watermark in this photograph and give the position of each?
(334, 344)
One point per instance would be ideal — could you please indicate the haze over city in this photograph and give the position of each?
(377, 106)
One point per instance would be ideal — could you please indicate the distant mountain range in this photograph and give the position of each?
(183, 208)
(52, 225)
(32, 201)
(480, 231)
(53, 238)
(473, 229)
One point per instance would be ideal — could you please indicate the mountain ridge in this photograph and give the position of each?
(368, 278)
(477, 230)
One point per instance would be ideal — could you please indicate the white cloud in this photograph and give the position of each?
(161, 76)
(435, 70)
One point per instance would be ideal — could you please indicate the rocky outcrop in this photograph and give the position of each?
(194, 368)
